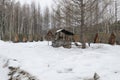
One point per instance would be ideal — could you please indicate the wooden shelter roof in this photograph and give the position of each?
(65, 32)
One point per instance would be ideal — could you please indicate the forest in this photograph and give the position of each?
(85, 18)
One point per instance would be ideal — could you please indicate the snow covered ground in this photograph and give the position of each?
(48, 63)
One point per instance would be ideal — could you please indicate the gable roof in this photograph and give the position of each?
(65, 32)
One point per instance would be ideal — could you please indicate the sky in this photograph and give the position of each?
(43, 3)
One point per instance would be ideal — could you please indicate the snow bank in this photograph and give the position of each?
(10, 70)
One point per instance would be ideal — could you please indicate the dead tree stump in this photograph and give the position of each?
(112, 39)
(96, 39)
(16, 38)
(24, 39)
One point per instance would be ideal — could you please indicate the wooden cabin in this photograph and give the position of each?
(62, 38)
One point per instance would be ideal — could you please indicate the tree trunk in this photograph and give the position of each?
(82, 25)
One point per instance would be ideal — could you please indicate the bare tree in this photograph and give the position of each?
(46, 19)
(84, 15)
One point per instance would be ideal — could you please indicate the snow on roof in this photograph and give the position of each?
(59, 30)
(64, 31)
